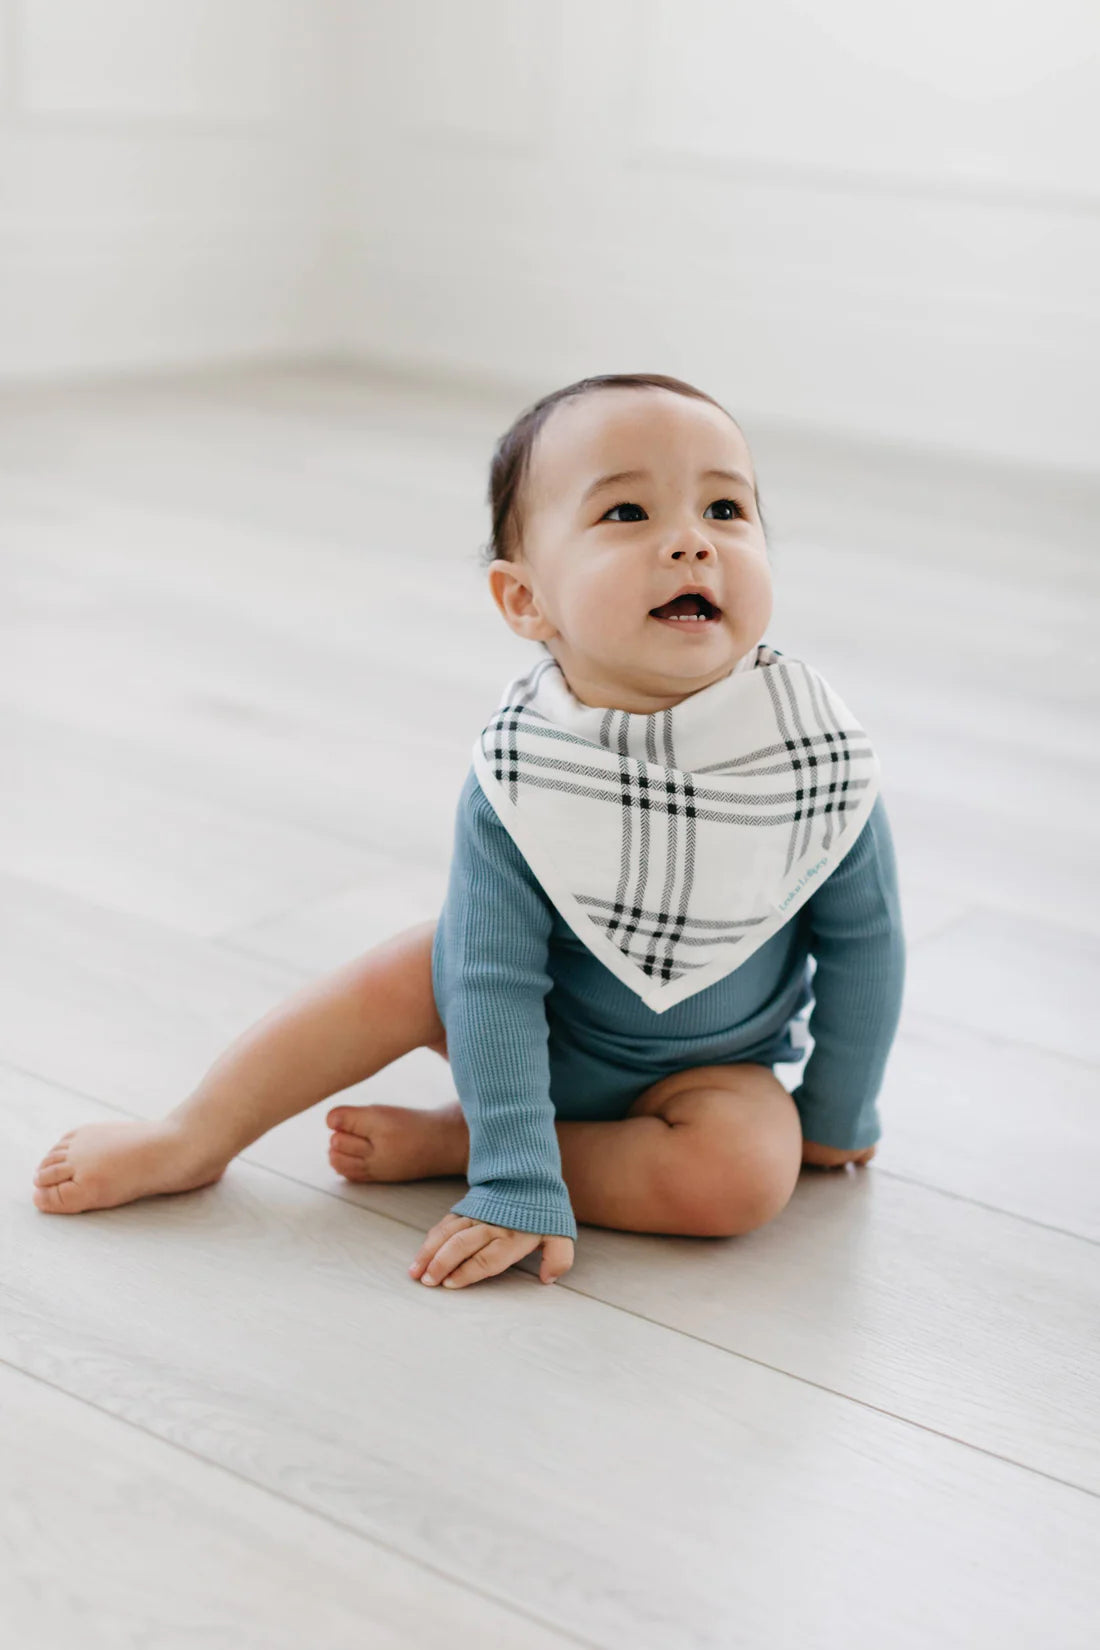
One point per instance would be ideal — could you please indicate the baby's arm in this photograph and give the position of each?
(857, 938)
(490, 982)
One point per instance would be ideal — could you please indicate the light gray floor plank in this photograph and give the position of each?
(114, 1539)
(998, 1122)
(1023, 981)
(519, 1438)
(137, 846)
(119, 1006)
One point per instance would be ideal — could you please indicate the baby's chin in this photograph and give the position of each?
(672, 647)
(660, 661)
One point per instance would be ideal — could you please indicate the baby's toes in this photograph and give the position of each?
(353, 1120)
(351, 1145)
(347, 1154)
(66, 1198)
(52, 1171)
(352, 1168)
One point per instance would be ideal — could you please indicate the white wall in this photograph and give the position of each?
(869, 217)
(873, 217)
(169, 192)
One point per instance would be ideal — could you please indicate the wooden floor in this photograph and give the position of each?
(244, 652)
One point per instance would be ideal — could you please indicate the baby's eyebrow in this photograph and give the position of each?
(641, 475)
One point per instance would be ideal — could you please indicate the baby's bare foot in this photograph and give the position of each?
(104, 1164)
(398, 1142)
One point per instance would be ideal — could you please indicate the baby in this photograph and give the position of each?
(611, 1040)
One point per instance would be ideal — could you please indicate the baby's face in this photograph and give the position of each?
(598, 555)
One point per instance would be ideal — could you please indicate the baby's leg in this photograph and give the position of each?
(709, 1151)
(328, 1035)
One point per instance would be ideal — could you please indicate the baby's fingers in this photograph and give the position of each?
(436, 1238)
(493, 1257)
(456, 1245)
(557, 1258)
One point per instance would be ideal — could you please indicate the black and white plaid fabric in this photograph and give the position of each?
(675, 844)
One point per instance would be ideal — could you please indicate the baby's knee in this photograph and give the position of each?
(740, 1203)
(738, 1167)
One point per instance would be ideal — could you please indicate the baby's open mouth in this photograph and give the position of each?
(687, 612)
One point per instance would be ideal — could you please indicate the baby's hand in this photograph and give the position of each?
(828, 1157)
(459, 1250)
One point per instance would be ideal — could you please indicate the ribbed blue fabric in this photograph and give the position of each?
(507, 970)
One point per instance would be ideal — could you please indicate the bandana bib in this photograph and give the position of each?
(675, 844)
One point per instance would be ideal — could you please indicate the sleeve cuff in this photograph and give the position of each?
(826, 1130)
(547, 1220)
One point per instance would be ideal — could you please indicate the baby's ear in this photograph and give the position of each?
(510, 587)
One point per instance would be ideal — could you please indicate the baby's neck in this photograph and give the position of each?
(747, 661)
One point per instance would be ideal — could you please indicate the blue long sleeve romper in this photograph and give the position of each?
(537, 1027)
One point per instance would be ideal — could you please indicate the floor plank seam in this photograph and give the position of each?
(844, 1397)
(304, 1506)
(85, 901)
(999, 1038)
(991, 1208)
(264, 813)
(306, 903)
(239, 950)
(938, 930)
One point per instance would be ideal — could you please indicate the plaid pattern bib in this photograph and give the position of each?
(675, 844)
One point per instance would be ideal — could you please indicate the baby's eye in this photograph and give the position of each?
(735, 508)
(608, 515)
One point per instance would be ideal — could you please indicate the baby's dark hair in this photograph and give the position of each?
(512, 455)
